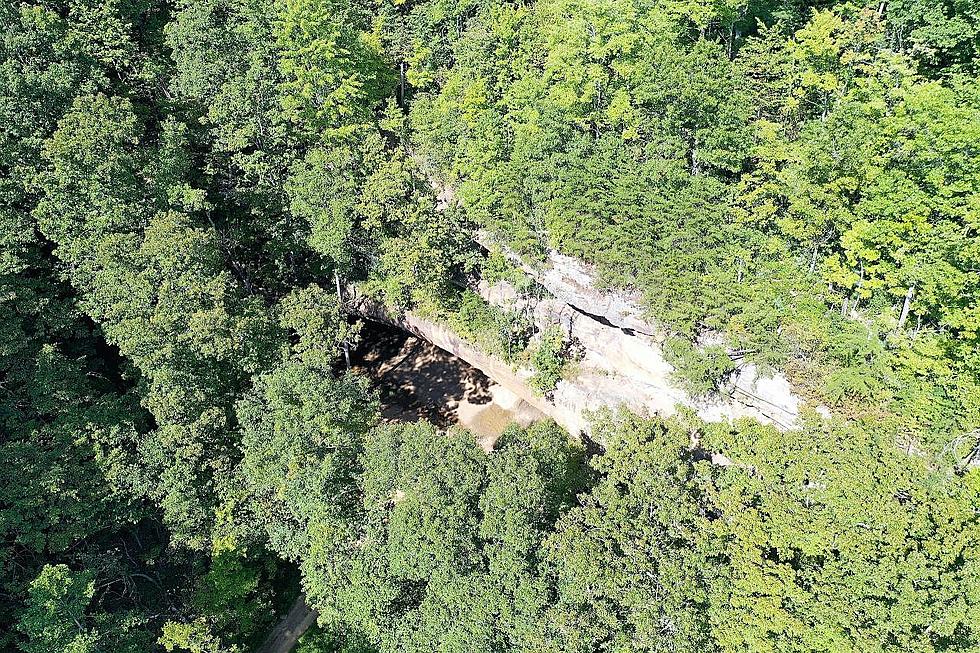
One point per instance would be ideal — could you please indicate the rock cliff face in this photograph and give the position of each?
(621, 366)
(572, 282)
(623, 362)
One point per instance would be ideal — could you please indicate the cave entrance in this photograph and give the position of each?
(418, 380)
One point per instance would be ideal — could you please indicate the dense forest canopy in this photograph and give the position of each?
(186, 185)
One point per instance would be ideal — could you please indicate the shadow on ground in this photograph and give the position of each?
(417, 380)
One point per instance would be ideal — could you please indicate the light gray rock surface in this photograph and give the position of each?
(624, 362)
(574, 282)
(617, 370)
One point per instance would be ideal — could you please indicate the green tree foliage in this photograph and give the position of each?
(333, 74)
(226, 74)
(103, 183)
(65, 613)
(192, 195)
(450, 549)
(864, 169)
(635, 565)
(303, 430)
(874, 164)
(232, 601)
(68, 451)
(54, 620)
(827, 553)
(548, 361)
(943, 36)
(668, 550)
(154, 282)
(795, 547)
(700, 370)
(302, 434)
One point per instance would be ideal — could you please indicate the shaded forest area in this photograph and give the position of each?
(185, 184)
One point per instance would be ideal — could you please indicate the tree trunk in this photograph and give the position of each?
(905, 307)
(401, 70)
(340, 301)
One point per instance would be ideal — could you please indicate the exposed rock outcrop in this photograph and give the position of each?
(516, 381)
(572, 282)
(624, 367)
(419, 380)
(617, 369)
(624, 362)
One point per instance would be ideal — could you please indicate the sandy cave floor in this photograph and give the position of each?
(417, 380)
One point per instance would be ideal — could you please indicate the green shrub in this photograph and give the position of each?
(499, 332)
(549, 360)
(698, 370)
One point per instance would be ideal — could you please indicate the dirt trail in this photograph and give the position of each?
(287, 632)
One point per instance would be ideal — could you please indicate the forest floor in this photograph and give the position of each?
(417, 380)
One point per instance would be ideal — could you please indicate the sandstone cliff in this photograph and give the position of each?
(622, 363)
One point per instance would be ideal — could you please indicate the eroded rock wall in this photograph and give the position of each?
(619, 368)
(624, 361)
(514, 380)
